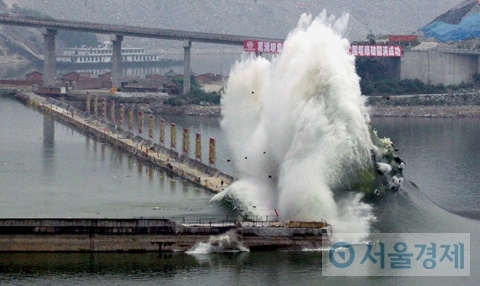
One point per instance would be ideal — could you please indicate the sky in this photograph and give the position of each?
(269, 18)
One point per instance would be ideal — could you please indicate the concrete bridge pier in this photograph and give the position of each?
(187, 45)
(49, 65)
(117, 61)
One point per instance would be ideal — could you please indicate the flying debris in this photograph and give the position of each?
(400, 163)
(394, 148)
(396, 183)
(384, 168)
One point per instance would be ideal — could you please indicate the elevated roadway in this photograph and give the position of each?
(52, 25)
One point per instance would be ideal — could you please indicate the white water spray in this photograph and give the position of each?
(226, 242)
(298, 129)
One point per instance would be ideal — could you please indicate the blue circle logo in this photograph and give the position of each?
(341, 254)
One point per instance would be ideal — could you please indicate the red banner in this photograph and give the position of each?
(198, 147)
(375, 51)
(211, 157)
(262, 46)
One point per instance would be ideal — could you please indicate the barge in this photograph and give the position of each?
(156, 235)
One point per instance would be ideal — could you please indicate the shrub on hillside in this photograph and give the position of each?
(406, 86)
(195, 96)
(198, 96)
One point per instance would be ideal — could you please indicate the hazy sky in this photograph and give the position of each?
(272, 18)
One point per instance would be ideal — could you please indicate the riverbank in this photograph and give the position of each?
(188, 110)
(425, 111)
(459, 104)
(432, 111)
(464, 103)
(375, 111)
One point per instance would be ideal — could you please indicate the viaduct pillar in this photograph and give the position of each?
(187, 44)
(49, 60)
(117, 61)
(396, 68)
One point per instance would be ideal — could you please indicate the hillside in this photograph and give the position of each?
(272, 18)
(457, 24)
(19, 43)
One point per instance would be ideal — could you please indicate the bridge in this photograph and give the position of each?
(118, 32)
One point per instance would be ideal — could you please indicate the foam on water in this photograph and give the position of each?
(298, 129)
(226, 242)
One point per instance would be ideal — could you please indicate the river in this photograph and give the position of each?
(49, 170)
(217, 63)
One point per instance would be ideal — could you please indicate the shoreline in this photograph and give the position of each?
(458, 105)
(430, 111)
(397, 106)
(424, 111)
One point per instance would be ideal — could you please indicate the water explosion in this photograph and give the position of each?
(299, 131)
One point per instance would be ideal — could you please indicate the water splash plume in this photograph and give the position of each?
(298, 129)
(226, 242)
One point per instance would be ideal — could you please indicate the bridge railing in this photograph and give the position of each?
(253, 221)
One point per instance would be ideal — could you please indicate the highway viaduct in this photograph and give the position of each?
(118, 32)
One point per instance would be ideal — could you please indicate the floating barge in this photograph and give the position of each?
(155, 235)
